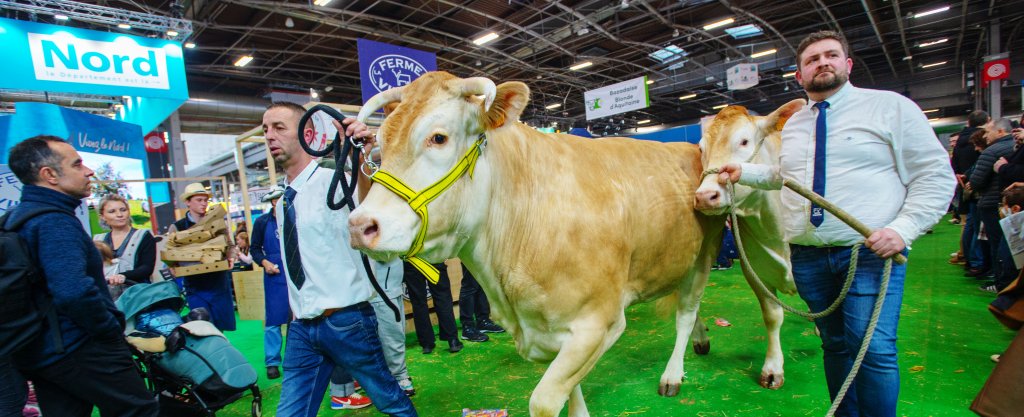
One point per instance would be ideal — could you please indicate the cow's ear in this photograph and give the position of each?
(774, 121)
(509, 103)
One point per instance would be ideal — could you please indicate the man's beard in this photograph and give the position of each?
(816, 85)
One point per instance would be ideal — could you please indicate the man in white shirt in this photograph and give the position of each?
(873, 154)
(328, 289)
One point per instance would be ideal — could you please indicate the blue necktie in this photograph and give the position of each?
(293, 259)
(820, 133)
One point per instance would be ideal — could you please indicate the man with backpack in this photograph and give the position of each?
(78, 358)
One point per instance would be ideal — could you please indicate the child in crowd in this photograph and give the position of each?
(111, 267)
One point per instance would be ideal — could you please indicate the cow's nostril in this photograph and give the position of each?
(714, 196)
(371, 230)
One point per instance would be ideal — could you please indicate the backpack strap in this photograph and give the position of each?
(47, 305)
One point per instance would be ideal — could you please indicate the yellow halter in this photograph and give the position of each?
(418, 201)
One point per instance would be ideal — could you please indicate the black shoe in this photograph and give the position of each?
(473, 335)
(488, 326)
(428, 350)
(975, 273)
(454, 345)
(273, 372)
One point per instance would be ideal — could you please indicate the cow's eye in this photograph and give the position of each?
(744, 142)
(439, 139)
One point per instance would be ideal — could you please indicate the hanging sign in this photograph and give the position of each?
(617, 98)
(996, 69)
(741, 76)
(383, 66)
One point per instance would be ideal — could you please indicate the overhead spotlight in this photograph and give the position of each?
(719, 23)
(488, 37)
(172, 33)
(313, 94)
(934, 64)
(720, 106)
(935, 42)
(789, 74)
(190, 45)
(124, 26)
(675, 33)
(329, 88)
(643, 122)
(478, 63)
(929, 111)
(581, 65)
(553, 106)
(289, 23)
(929, 12)
(763, 53)
(61, 17)
(322, 3)
(649, 82)
(688, 96)
(243, 60)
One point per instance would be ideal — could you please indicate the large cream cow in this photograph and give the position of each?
(562, 232)
(736, 136)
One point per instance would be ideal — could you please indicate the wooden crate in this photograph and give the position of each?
(249, 294)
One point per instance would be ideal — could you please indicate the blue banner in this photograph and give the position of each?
(41, 57)
(383, 66)
(112, 148)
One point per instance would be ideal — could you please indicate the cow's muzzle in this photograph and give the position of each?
(364, 231)
(711, 200)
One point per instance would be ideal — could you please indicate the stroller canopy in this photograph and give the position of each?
(141, 297)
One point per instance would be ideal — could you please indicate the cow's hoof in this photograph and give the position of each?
(668, 390)
(702, 348)
(772, 381)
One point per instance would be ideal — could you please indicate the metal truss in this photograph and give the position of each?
(104, 15)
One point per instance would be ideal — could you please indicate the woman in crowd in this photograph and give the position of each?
(134, 248)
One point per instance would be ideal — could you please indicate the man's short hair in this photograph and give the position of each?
(977, 118)
(978, 139)
(820, 36)
(1003, 124)
(295, 107)
(1014, 197)
(32, 154)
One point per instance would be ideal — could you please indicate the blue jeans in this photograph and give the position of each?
(272, 345)
(974, 250)
(347, 338)
(819, 274)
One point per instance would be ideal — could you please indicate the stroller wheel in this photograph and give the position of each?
(257, 408)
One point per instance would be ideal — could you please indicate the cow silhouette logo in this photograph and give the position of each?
(394, 70)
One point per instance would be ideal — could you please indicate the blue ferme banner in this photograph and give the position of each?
(102, 142)
(383, 66)
(53, 58)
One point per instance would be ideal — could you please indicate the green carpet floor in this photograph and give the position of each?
(946, 338)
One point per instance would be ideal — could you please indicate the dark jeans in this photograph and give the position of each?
(819, 274)
(1002, 261)
(473, 304)
(100, 373)
(346, 339)
(441, 292)
(13, 390)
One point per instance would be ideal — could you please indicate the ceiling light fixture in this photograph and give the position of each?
(643, 122)
(929, 111)
(930, 12)
(926, 44)
(243, 60)
(322, 3)
(581, 65)
(720, 106)
(719, 23)
(649, 82)
(61, 17)
(934, 119)
(789, 74)
(490, 36)
(190, 45)
(934, 64)
(763, 53)
(688, 96)
(172, 33)
(124, 26)
(553, 106)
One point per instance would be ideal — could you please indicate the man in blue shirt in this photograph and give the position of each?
(91, 365)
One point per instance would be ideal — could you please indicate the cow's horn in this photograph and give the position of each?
(480, 86)
(378, 102)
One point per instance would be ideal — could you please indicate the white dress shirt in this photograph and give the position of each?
(335, 277)
(884, 166)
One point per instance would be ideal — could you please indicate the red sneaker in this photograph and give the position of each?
(354, 401)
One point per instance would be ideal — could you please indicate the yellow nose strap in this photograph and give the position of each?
(418, 201)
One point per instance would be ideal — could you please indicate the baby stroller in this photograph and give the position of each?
(189, 365)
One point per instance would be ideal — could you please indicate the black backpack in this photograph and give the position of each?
(24, 299)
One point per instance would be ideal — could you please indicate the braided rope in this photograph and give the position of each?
(851, 272)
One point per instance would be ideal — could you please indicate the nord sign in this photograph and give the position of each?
(54, 58)
(123, 62)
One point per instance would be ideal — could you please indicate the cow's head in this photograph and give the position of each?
(733, 137)
(438, 119)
